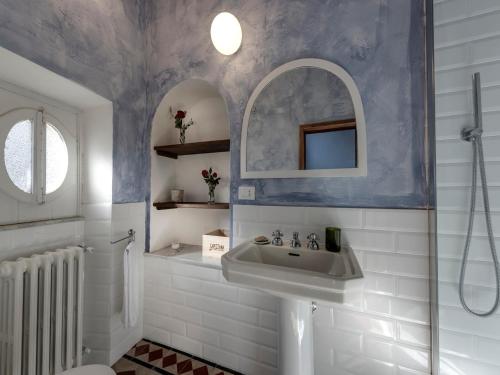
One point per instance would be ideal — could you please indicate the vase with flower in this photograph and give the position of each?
(212, 180)
(181, 124)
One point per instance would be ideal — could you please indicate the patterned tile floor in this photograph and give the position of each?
(148, 358)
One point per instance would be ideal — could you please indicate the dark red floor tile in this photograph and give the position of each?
(169, 360)
(184, 366)
(201, 371)
(155, 354)
(143, 349)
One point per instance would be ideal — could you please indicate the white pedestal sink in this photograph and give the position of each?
(298, 277)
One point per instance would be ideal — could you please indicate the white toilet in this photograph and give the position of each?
(90, 370)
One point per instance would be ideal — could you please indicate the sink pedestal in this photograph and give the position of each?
(296, 355)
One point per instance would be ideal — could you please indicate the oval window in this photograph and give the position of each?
(18, 155)
(56, 154)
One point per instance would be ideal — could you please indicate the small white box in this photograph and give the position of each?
(216, 243)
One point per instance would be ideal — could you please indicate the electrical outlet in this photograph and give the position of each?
(246, 193)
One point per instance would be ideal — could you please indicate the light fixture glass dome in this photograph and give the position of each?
(226, 33)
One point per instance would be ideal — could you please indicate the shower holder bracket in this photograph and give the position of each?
(471, 133)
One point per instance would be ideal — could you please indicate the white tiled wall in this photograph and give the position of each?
(125, 217)
(26, 241)
(467, 41)
(194, 309)
(104, 332)
(385, 332)
(98, 282)
(96, 166)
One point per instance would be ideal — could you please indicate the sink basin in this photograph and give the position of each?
(294, 273)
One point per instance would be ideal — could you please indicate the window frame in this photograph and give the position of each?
(39, 119)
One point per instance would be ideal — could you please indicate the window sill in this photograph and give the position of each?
(29, 224)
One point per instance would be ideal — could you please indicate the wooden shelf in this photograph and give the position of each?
(204, 205)
(173, 151)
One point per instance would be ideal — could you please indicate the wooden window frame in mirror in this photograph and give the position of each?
(322, 127)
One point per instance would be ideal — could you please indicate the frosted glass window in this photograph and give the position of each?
(22, 148)
(18, 155)
(331, 150)
(56, 154)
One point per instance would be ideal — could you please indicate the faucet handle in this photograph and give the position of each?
(313, 241)
(277, 241)
(295, 242)
(312, 237)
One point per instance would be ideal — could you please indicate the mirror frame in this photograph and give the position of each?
(359, 171)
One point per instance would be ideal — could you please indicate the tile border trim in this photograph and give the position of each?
(191, 356)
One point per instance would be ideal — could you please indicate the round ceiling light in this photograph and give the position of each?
(226, 33)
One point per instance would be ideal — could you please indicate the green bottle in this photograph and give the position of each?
(333, 239)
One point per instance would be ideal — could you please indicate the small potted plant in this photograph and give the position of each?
(181, 124)
(212, 180)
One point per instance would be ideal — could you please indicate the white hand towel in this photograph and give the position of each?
(130, 311)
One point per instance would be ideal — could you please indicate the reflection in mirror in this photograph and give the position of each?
(304, 120)
(299, 96)
(328, 145)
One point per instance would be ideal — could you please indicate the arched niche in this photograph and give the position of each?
(206, 106)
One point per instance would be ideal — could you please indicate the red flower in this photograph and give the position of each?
(180, 114)
(204, 173)
(214, 175)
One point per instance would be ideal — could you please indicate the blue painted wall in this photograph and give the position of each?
(99, 44)
(133, 52)
(379, 42)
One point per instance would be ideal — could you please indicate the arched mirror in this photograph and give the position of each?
(304, 119)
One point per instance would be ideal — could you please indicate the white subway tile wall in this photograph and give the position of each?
(15, 243)
(386, 331)
(126, 216)
(98, 282)
(467, 41)
(193, 308)
(104, 332)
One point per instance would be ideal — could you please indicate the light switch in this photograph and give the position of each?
(246, 193)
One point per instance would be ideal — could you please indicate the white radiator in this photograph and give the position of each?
(41, 309)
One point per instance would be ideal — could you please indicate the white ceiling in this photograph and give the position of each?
(21, 72)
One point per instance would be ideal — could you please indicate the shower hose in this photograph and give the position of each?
(477, 149)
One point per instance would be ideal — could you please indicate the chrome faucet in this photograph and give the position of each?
(295, 242)
(277, 235)
(312, 242)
